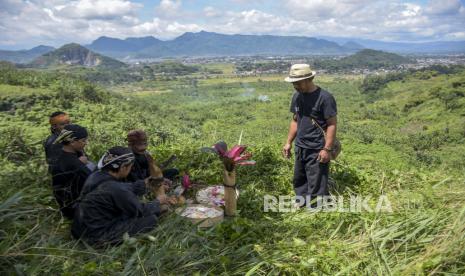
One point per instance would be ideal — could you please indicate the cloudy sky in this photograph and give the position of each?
(24, 24)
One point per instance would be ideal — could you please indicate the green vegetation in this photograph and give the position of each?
(367, 59)
(277, 67)
(403, 138)
(364, 59)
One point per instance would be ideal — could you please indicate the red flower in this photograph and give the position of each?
(235, 156)
(186, 182)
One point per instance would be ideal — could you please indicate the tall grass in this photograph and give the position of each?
(425, 233)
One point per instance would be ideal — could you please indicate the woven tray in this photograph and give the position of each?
(203, 215)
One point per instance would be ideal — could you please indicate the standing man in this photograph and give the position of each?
(311, 106)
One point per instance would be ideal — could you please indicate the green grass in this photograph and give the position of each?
(13, 90)
(386, 151)
(226, 68)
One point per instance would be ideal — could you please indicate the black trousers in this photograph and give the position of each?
(310, 176)
(114, 235)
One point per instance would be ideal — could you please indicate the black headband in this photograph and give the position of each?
(71, 133)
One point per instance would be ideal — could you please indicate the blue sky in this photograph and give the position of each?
(24, 24)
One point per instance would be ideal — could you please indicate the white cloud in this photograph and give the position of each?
(377, 19)
(324, 9)
(56, 22)
(456, 35)
(210, 11)
(10, 6)
(443, 7)
(169, 8)
(163, 29)
(258, 22)
(98, 9)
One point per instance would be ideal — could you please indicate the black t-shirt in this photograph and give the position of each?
(319, 105)
(52, 151)
(68, 177)
(140, 169)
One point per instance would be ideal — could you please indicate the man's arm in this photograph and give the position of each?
(290, 137)
(330, 132)
(324, 156)
(154, 169)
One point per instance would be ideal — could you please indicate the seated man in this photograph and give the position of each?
(58, 120)
(110, 207)
(71, 168)
(144, 165)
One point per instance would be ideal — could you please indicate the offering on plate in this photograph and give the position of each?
(205, 216)
(201, 212)
(213, 195)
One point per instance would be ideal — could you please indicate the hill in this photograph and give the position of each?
(75, 54)
(24, 56)
(364, 59)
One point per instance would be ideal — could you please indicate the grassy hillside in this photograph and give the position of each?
(395, 143)
(366, 58)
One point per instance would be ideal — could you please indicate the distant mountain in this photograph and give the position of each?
(439, 47)
(75, 54)
(214, 44)
(24, 56)
(352, 45)
(366, 58)
(120, 48)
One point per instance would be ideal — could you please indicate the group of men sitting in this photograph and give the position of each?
(102, 199)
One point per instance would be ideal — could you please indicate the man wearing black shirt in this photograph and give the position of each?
(71, 168)
(311, 106)
(144, 164)
(109, 207)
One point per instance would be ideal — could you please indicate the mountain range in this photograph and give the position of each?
(215, 44)
(436, 47)
(24, 56)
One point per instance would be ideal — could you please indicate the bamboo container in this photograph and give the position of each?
(230, 198)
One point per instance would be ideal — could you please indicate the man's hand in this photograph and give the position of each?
(156, 185)
(287, 150)
(164, 199)
(323, 156)
(84, 159)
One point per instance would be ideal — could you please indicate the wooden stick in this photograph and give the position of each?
(230, 199)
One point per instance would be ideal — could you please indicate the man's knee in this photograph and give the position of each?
(143, 224)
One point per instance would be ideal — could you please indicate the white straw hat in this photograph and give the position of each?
(300, 72)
